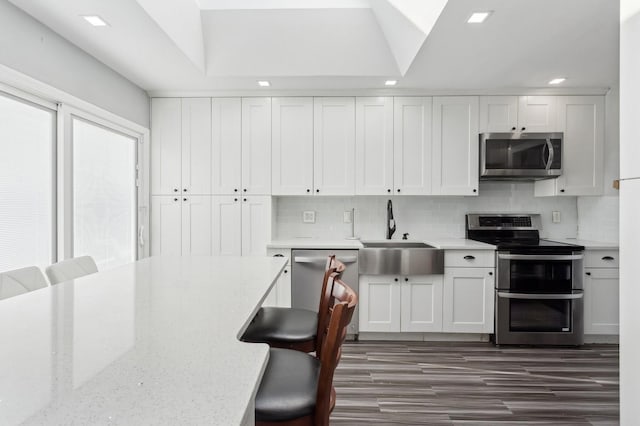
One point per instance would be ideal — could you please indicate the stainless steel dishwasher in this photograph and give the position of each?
(307, 271)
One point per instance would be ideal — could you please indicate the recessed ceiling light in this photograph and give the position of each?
(95, 20)
(264, 83)
(391, 82)
(478, 17)
(557, 80)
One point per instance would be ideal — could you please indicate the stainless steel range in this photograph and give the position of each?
(539, 291)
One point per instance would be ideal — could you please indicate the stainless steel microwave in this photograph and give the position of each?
(520, 156)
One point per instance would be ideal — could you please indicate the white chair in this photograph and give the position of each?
(19, 281)
(71, 269)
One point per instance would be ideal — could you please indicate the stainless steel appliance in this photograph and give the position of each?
(307, 271)
(539, 291)
(520, 156)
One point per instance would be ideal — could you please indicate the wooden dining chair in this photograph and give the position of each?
(71, 269)
(20, 281)
(297, 388)
(294, 328)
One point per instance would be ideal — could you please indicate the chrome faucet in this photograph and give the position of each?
(391, 223)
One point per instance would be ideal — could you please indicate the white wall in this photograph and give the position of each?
(33, 49)
(421, 217)
(629, 201)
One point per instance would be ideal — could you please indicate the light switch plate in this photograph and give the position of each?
(555, 217)
(309, 216)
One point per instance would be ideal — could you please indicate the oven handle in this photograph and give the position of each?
(540, 256)
(530, 296)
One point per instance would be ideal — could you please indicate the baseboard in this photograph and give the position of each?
(602, 338)
(425, 337)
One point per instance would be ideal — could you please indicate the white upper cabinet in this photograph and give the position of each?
(412, 145)
(374, 146)
(537, 114)
(166, 150)
(256, 146)
(498, 113)
(256, 225)
(581, 119)
(334, 146)
(455, 145)
(227, 147)
(292, 144)
(518, 113)
(181, 146)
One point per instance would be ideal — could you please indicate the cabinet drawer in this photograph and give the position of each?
(601, 259)
(469, 258)
(280, 252)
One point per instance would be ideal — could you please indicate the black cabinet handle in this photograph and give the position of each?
(278, 255)
(469, 257)
(395, 279)
(608, 258)
(588, 273)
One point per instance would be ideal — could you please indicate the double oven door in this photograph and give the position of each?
(539, 299)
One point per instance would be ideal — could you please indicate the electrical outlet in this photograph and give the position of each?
(555, 217)
(309, 216)
(346, 217)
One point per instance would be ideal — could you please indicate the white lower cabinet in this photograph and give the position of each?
(241, 225)
(181, 225)
(280, 294)
(468, 300)
(392, 303)
(601, 292)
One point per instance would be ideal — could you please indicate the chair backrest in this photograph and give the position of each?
(19, 281)
(70, 269)
(346, 300)
(326, 299)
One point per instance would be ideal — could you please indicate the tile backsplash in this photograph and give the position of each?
(599, 218)
(422, 217)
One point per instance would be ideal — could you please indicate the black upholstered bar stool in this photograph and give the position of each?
(297, 388)
(292, 328)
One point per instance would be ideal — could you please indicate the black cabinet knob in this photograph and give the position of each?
(308, 190)
(235, 190)
(562, 190)
(317, 191)
(588, 273)
(490, 273)
(235, 199)
(244, 199)
(524, 128)
(395, 279)
(245, 190)
(398, 189)
(388, 190)
(175, 199)
(475, 190)
(184, 199)
(406, 279)
(285, 271)
(184, 190)
(175, 189)
(513, 128)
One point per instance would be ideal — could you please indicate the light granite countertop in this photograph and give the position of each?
(152, 342)
(311, 243)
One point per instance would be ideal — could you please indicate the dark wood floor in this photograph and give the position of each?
(476, 384)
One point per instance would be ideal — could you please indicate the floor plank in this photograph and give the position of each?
(443, 383)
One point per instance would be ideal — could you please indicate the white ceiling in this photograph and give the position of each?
(188, 45)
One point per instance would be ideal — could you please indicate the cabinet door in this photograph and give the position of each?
(374, 146)
(256, 225)
(379, 300)
(196, 225)
(227, 148)
(537, 114)
(412, 145)
(226, 225)
(284, 288)
(581, 119)
(468, 300)
(334, 146)
(601, 301)
(292, 138)
(498, 113)
(166, 135)
(455, 145)
(196, 146)
(166, 225)
(256, 146)
(421, 303)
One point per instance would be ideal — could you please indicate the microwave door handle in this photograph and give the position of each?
(551, 154)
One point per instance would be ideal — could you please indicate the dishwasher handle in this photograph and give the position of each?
(323, 260)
